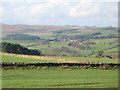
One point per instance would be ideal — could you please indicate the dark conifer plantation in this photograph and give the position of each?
(17, 49)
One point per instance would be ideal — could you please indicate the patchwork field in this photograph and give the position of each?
(54, 47)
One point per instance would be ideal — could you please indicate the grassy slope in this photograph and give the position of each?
(114, 49)
(95, 47)
(100, 60)
(98, 47)
(6, 58)
(53, 78)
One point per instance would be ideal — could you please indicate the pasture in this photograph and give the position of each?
(60, 78)
(93, 59)
(7, 57)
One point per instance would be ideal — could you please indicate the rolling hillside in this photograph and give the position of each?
(71, 41)
(33, 28)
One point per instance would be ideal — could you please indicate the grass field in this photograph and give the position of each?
(6, 58)
(54, 78)
(113, 50)
(102, 40)
(34, 59)
(93, 59)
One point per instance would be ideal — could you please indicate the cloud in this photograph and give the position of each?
(39, 10)
(1, 14)
(84, 9)
(58, 11)
(58, 1)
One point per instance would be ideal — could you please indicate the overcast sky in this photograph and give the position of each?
(60, 12)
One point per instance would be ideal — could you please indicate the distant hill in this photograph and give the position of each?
(20, 37)
(36, 30)
(23, 28)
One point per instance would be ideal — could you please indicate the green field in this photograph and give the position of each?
(113, 50)
(54, 78)
(6, 58)
(93, 59)
(104, 40)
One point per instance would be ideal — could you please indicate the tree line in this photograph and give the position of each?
(17, 49)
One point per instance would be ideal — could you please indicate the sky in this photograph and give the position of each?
(60, 12)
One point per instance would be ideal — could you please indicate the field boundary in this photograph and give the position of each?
(62, 65)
